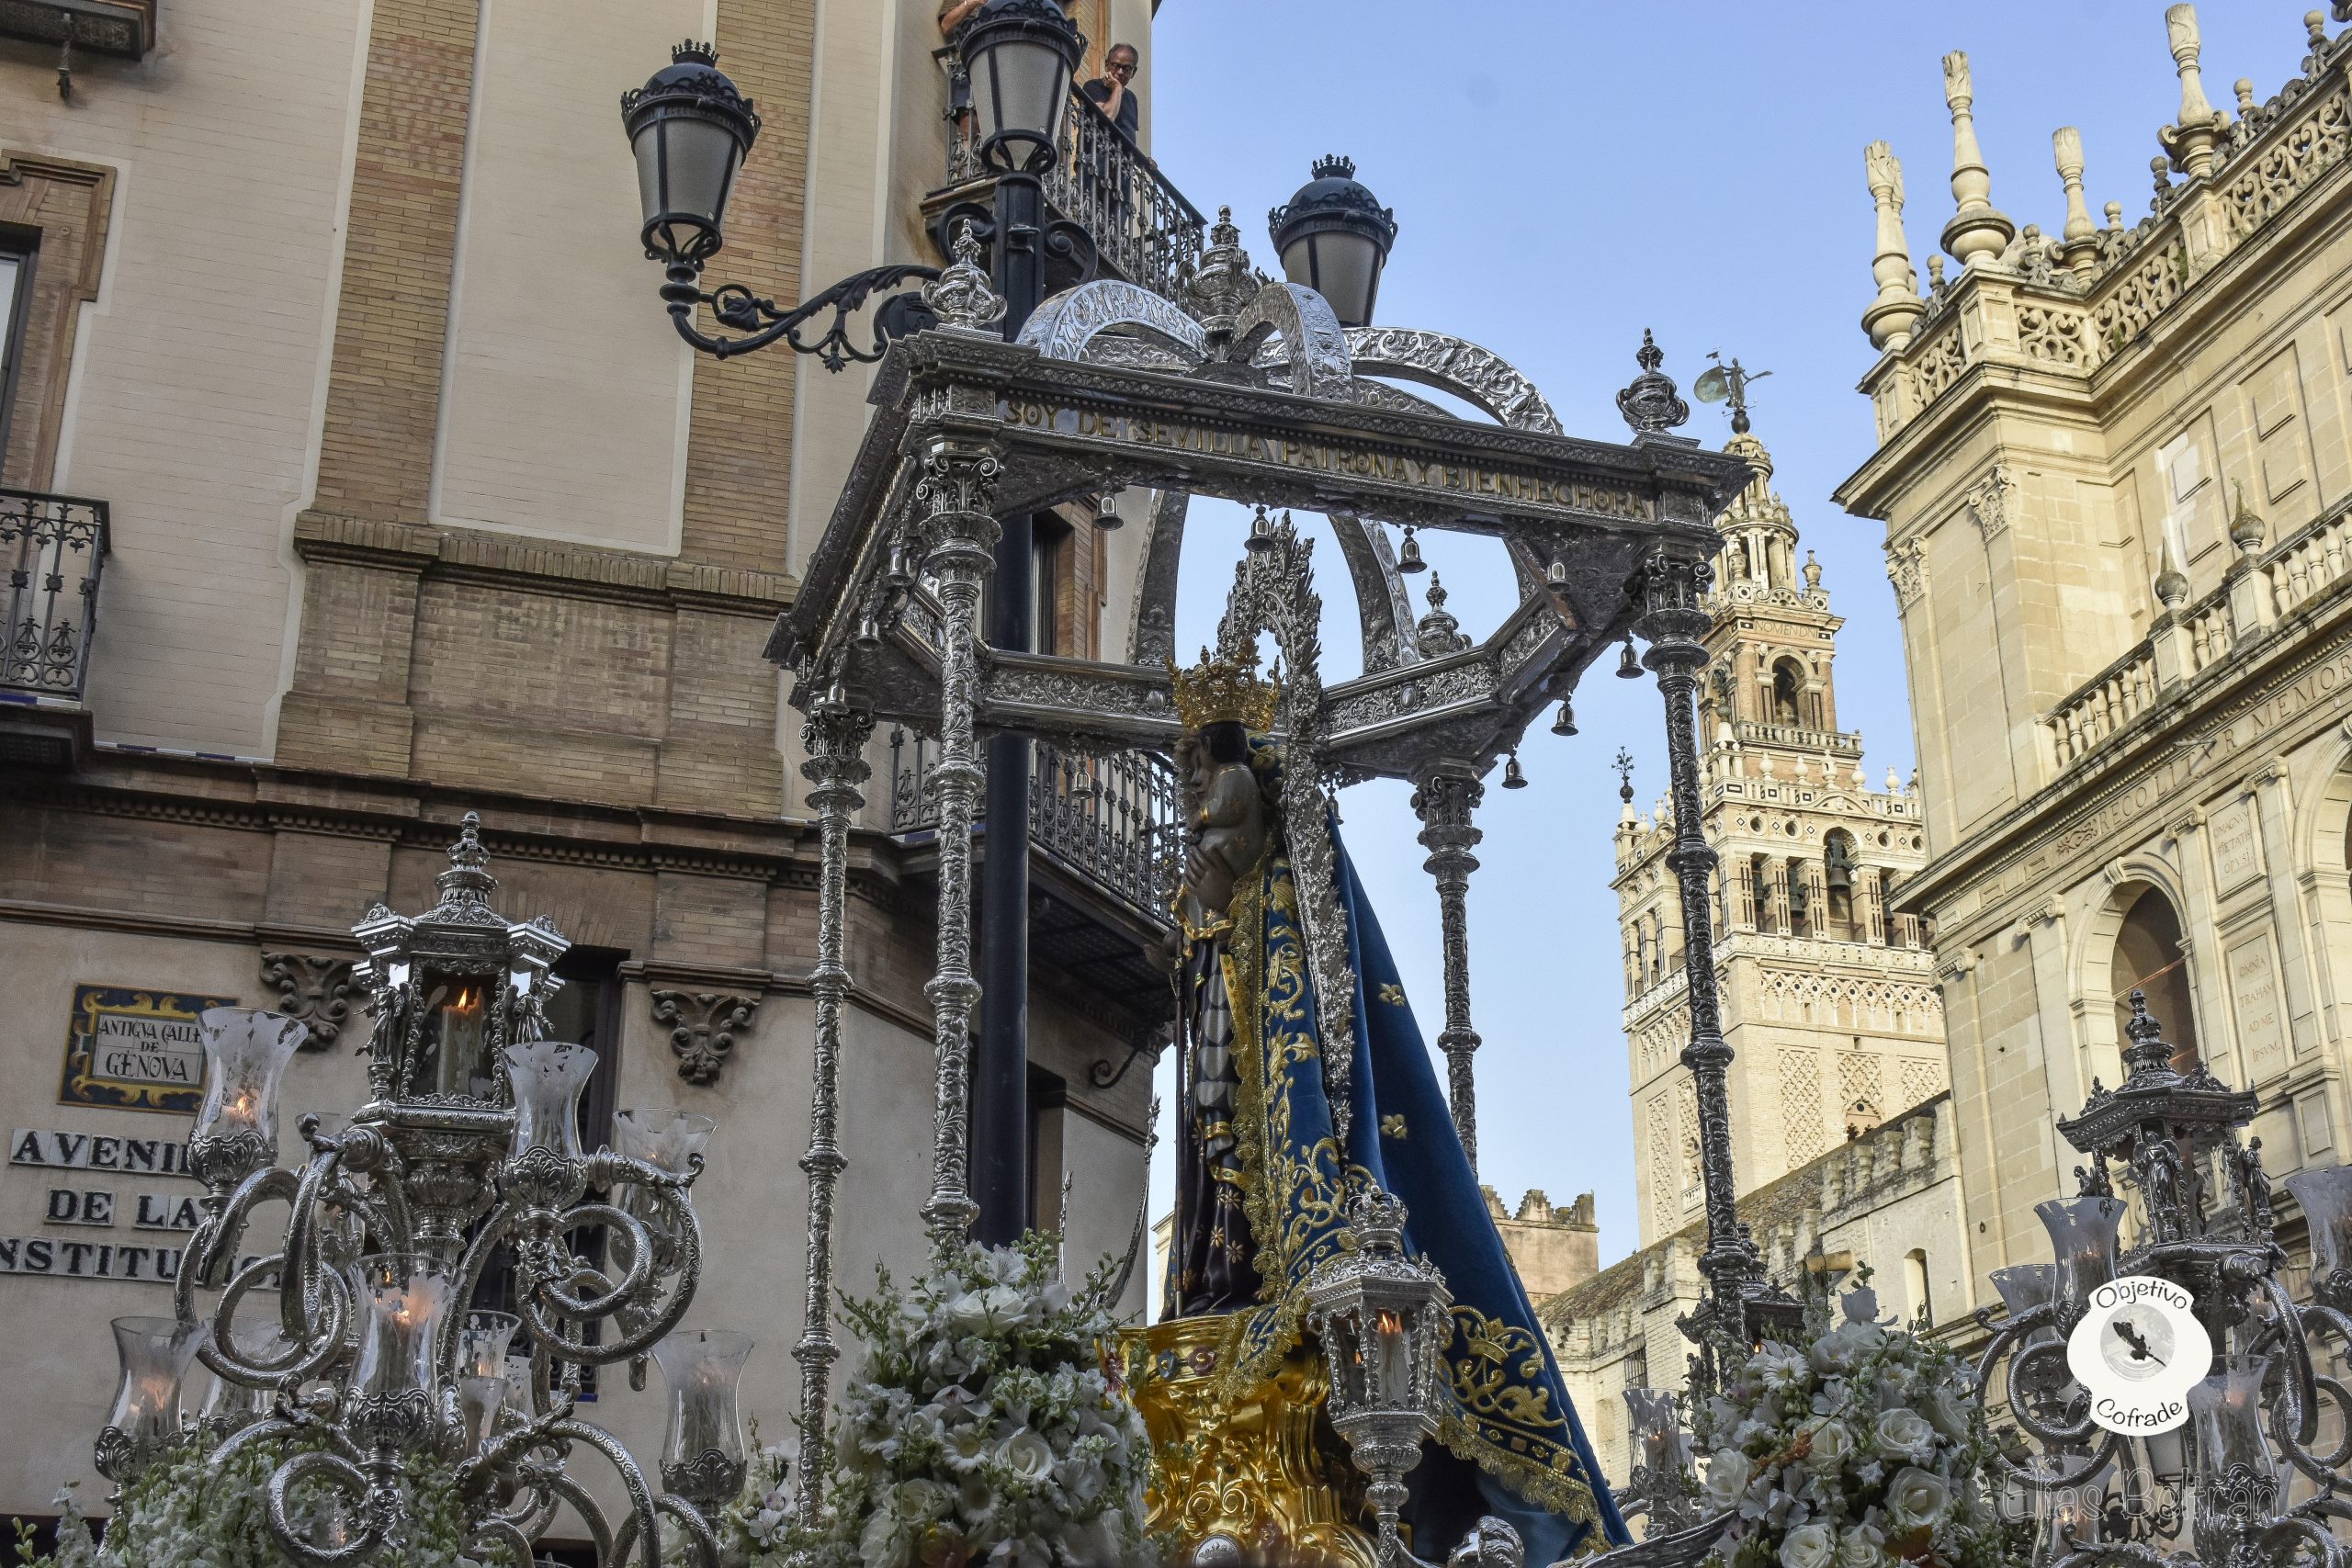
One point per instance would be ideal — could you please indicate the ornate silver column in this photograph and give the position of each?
(835, 735)
(1672, 619)
(1444, 803)
(959, 533)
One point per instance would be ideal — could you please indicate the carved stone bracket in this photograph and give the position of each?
(703, 1029)
(313, 990)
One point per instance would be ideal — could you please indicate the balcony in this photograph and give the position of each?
(1111, 821)
(1144, 229)
(55, 547)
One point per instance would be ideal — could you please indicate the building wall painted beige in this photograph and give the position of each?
(2061, 467)
(564, 403)
(199, 368)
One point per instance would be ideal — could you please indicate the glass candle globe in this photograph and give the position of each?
(2325, 1197)
(396, 1377)
(245, 1053)
(667, 1140)
(229, 1406)
(152, 1355)
(2082, 1237)
(703, 1456)
(2237, 1479)
(547, 1077)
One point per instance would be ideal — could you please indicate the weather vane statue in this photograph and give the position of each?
(1722, 383)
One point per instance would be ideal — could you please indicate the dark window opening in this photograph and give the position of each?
(1050, 553)
(1788, 692)
(1048, 1094)
(2149, 958)
(19, 249)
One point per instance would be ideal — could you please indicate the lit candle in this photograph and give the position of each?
(461, 1040)
(1394, 1384)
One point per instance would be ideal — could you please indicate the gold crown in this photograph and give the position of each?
(1220, 690)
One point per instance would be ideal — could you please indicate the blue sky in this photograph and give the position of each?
(1564, 174)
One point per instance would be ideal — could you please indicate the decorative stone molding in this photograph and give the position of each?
(1990, 504)
(1906, 569)
(703, 1029)
(315, 990)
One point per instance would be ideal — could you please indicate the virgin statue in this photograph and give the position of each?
(1264, 1172)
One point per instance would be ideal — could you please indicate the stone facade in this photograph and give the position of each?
(2115, 467)
(1553, 1248)
(1889, 1199)
(417, 506)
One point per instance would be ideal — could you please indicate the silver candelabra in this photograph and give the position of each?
(467, 1148)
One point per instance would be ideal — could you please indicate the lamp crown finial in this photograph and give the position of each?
(689, 52)
(1335, 165)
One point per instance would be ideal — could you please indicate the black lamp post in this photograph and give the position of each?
(1334, 237)
(1019, 56)
(691, 128)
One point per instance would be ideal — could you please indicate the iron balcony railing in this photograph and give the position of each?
(55, 547)
(1113, 820)
(1143, 228)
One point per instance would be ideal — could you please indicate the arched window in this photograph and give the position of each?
(1837, 873)
(1788, 692)
(2149, 958)
(1914, 1287)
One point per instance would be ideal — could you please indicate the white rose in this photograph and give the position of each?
(1916, 1497)
(1809, 1546)
(1833, 1353)
(1949, 1410)
(969, 1312)
(1905, 1433)
(883, 1543)
(1025, 1456)
(1831, 1442)
(1862, 1546)
(1728, 1474)
(1008, 1306)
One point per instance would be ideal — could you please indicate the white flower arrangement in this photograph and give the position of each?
(183, 1512)
(985, 1426)
(1865, 1449)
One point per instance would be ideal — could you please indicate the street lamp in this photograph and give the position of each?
(690, 129)
(1334, 237)
(1020, 55)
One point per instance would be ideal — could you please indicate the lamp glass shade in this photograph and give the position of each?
(402, 1303)
(1020, 83)
(2237, 1475)
(152, 1355)
(702, 1368)
(2325, 1197)
(481, 1344)
(686, 170)
(245, 1053)
(547, 1077)
(2082, 1239)
(1656, 1426)
(667, 1140)
(1342, 266)
(228, 1405)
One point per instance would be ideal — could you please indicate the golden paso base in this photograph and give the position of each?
(1265, 1473)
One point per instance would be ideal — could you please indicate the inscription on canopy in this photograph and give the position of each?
(1340, 459)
